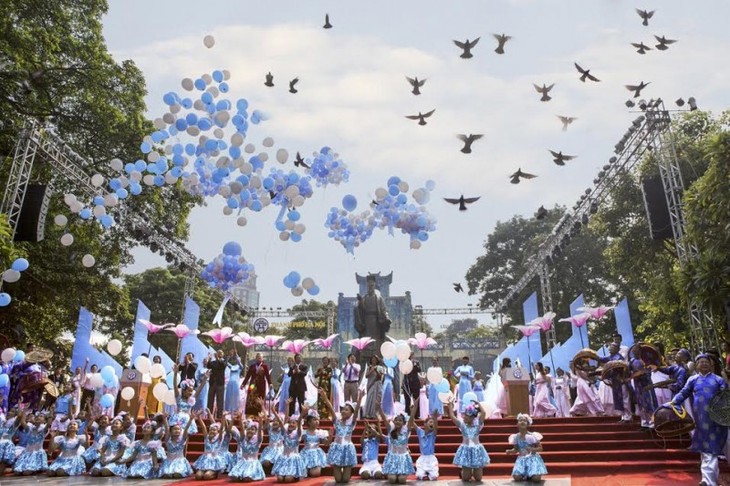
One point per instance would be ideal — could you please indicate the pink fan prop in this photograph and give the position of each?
(327, 342)
(360, 343)
(545, 322)
(295, 346)
(181, 331)
(528, 330)
(596, 312)
(578, 320)
(153, 328)
(219, 336)
(271, 341)
(421, 340)
(247, 340)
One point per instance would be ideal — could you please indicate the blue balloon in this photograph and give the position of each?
(145, 147)
(4, 299)
(135, 188)
(295, 237)
(393, 190)
(19, 355)
(128, 167)
(391, 362)
(469, 397)
(106, 221)
(257, 206)
(140, 165)
(393, 181)
(107, 373)
(293, 215)
(20, 265)
(85, 213)
(443, 386)
(280, 226)
(232, 202)
(199, 84)
(4, 380)
(217, 76)
(314, 290)
(122, 193)
(98, 200)
(349, 202)
(242, 104)
(295, 277)
(106, 401)
(232, 249)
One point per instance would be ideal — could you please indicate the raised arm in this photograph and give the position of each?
(435, 416)
(450, 408)
(175, 368)
(201, 425)
(412, 418)
(166, 423)
(202, 383)
(360, 394)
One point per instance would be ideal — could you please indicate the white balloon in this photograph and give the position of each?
(227, 210)
(187, 84)
(263, 156)
(297, 291)
(11, 276)
(97, 180)
(249, 148)
(206, 77)
(127, 393)
(435, 375)
(297, 201)
(208, 41)
(159, 390)
(114, 347)
(8, 355)
(153, 157)
(76, 207)
(284, 236)
(135, 175)
(193, 131)
(403, 186)
(387, 349)
(157, 370)
(291, 191)
(60, 220)
(380, 193)
(116, 164)
(212, 90)
(307, 283)
(69, 199)
(170, 179)
(111, 200)
(300, 228)
(268, 142)
(415, 244)
(142, 363)
(159, 123)
(67, 239)
(88, 261)
(226, 75)
(289, 225)
(282, 155)
(99, 211)
(237, 139)
(402, 351)
(169, 397)
(169, 118)
(149, 180)
(446, 397)
(406, 366)
(96, 380)
(241, 221)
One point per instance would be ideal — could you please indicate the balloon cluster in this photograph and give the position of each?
(12, 275)
(228, 269)
(327, 168)
(391, 209)
(397, 353)
(298, 285)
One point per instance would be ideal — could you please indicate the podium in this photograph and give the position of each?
(140, 382)
(517, 381)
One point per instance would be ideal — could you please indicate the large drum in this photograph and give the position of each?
(614, 370)
(32, 381)
(672, 421)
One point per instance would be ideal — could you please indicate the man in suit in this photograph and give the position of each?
(217, 383)
(188, 368)
(258, 374)
(297, 385)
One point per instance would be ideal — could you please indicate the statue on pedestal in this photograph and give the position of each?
(371, 318)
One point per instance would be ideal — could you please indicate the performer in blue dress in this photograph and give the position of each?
(248, 467)
(110, 455)
(478, 386)
(289, 466)
(211, 462)
(708, 437)
(387, 402)
(471, 456)
(147, 454)
(176, 465)
(677, 371)
(341, 454)
(371, 438)
(69, 461)
(398, 465)
(427, 464)
(312, 454)
(201, 397)
(185, 397)
(8, 428)
(99, 429)
(529, 466)
(465, 373)
(33, 459)
(285, 382)
(276, 441)
(232, 401)
(643, 391)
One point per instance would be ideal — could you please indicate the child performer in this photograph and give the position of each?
(248, 468)
(146, 454)
(185, 398)
(529, 466)
(471, 456)
(64, 407)
(398, 465)
(427, 465)
(176, 465)
(69, 462)
(478, 386)
(276, 442)
(33, 459)
(8, 427)
(111, 452)
(211, 462)
(229, 432)
(289, 466)
(341, 454)
(99, 429)
(312, 454)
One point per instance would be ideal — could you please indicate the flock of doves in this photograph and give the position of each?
(468, 140)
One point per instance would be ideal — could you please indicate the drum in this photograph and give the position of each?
(585, 360)
(672, 421)
(719, 409)
(32, 381)
(614, 370)
(660, 384)
(647, 353)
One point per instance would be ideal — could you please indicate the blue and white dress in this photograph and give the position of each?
(284, 389)
(465, 373)
(471, 454)
(370, 451)
(176, 462)
(142, 466)
(91, 454)
(248, 465)
(276, 446)
(479, 390)
(200, 400)
(290, 462)
(110, 448)
(312, 454)
(232, 400)
(342, 452)
(211, 459)
(70, 460)
(398, 459)
(33, 458)
(388, 391)
(182, 415)
(65, 404)
(7, 448)
(528, 464)
(225, 448)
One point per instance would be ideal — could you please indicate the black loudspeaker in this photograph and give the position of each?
(32, 221)
(657, 212)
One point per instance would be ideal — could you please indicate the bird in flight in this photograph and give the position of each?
(515, 178)
(641, 48)
(299, 161)
(559, 158)
(292, 89)
(585, 74)
(501, 41)
(567, 120)
(637, 88)
(327, 24)
(645, 15)
(544, 90)
(663, 43)
(462, 201)
(468, 140)
(457, 287)
(416, 83)
(269, 80)
(467, 47)
(421, 117)
(541, 213)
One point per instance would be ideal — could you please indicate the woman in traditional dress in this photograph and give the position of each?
(284, 387)
(233, 394)
(586, 401)
(541, 405)
(374, 376)
(324, 377)
(465, 374)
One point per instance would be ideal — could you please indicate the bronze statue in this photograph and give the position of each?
(371, 317)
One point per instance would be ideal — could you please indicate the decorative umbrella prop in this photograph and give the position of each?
(421, 341)
(578, 320)
(271, 342)
(181, 331)
(596, 313)
(528, 331)
(545, 323)
(327, 342)
(219, 336)
(153, 329)
(296, 346)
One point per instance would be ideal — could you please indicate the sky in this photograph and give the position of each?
(353, 97)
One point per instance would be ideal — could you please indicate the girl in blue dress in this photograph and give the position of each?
(471, 456)
(387, 402)
(276, 441)
(285, 381)
(398, 465)
(99, 429)
(211, 462)
(371, 468)
(427, 464)
(69, 461)
(230, 433)
(248, 467)
(8, 427)
(33, 459)
(464, 373)
(341, 454)
(146, 455)
(176, 465)
(529, 466)
(312, 454)
(64, 407)
(110, 455)
(289, 466)
(232, 401)
(478, 386)
(185, 396)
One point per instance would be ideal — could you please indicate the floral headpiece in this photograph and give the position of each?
(312, 413)
(217, 425)
(187, 384)
(349, 403)
(251, 424)
(404, 416)
(471, 410)
(524, 416)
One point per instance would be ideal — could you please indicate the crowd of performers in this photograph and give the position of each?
(85, 437)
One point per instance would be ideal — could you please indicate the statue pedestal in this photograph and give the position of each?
(517, 381)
